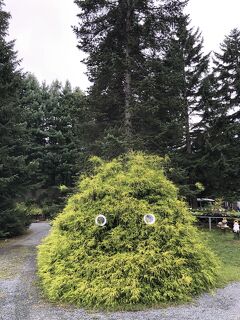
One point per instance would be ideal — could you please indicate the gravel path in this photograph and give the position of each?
(20, 298)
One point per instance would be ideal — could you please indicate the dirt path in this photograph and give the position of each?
(20, 298)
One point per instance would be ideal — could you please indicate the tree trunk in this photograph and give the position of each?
(186, 115)
(127, 83)
(187, 130)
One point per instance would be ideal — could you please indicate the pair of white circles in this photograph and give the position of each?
(101, 220)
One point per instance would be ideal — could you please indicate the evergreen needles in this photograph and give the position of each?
(126, 262)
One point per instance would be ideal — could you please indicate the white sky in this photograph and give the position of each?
(47, 44)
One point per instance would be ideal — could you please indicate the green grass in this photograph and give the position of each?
(228, 251)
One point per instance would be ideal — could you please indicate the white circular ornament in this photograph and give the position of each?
(100, 220)
(149, 218)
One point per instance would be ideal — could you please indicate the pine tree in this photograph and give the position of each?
(62, 147)
(120, 37)
(227, 74)
(12, 134)
(173, 97)
(188, 66)
(32, 104)
(218, 141)
(57, 122)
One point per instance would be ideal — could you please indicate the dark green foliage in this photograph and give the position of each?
(33, 106)
(149, 82)
(218, 143)
(66, 116)
(187, 66)
(129, 36)
(126, 262)
(173, 92)
(227, 73)
(13, 164)
(57, 123)
(167, 67)
(14, 221)
(172, 116)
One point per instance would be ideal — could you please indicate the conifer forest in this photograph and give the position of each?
(153, 89)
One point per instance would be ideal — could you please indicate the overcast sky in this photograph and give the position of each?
(47, 45)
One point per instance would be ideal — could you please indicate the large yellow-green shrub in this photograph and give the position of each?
(125, 262)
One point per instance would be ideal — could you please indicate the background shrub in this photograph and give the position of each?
(14, 221)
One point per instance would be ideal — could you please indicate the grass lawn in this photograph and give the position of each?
(228, 250)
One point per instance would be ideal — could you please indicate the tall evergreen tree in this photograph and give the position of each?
(12, 133)
(33, 107)
(218, 141)
(56, 120)
(227, 75)
(187, 66)
(170, 94)
(119, 37)
(171, 101)
(63, 147)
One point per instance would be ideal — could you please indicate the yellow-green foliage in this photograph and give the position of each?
(126, 262)
(29, 209)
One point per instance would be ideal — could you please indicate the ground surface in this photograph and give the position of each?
(20, 297)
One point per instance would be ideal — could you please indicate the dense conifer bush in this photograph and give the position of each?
(14, 221)
(126, 261)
